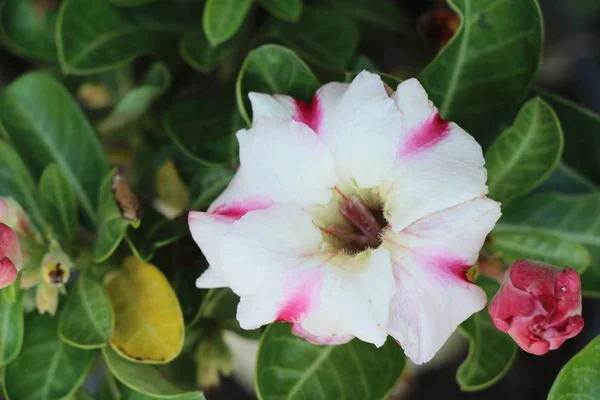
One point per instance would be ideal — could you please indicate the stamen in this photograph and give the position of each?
(362, 218)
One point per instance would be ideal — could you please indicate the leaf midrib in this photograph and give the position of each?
(310, 371)
(58, 158)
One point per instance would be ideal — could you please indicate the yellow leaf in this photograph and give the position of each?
(148, 320)
(171, 190)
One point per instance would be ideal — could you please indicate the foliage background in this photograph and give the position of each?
(571, 67)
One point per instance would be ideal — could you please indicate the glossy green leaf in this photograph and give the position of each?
(390, 80)
(129, 394)
(205, 129)
(491, 352)
(196, 50)
(94, 36)
(290, 367)
(16, 182)
(152, 235)
(286, 10)
(11, 329)
(565, 179)
(145, 379)
(87, 319)
(131, 3)
(111, 224)
(273, 69)
(58, 201)
(81, 395)
(208, 183)
(572, 218)
(378, 13)
(524, 154)
(45, 125)
(489, 64)
(27, 28)
(541, 246)
(47, 368)
(359, 63)
(322, 36)
(138, 101)
(579, 379)
(582, 135)
(223, 18)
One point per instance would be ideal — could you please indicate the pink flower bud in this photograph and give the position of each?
(538, 305)
(11, 258)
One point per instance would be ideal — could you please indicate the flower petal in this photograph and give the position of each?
(364, 132)
(282, 162)
(272, 258)
(9, 246)
(438, 165)
(8, 272)
(208, 229)
(430, 259)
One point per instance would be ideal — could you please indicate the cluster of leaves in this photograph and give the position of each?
(140, 71)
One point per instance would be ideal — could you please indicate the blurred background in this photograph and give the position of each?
(571, 68)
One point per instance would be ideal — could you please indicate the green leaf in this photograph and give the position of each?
(138, 101)
(111, 224)
(87, 319)
(204, 130)
(45, 125)
(488, 66)
(579, 379)
(208, 183)
(273, 69)
(541, 246)
(27, 28)
(11, 329)
(58, 202)
(322, 36)
(129, 394)
(390, 80)
(524, 154)
(16, 182)
(81, 395)
(130, 3)
(288, 366)
(150, 236)
(359, 63)
(378, 13)
(196, 50)
(223, 18)
(571, 218)
(286, 10)
(96, 36)
(145, 379)
(582, 135)
(491, 352)
(47, 368)
(565, 179)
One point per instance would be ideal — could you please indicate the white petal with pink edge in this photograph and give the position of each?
(208, 228)
(364, 132)
(283, 161)
(430, 259)
(438, 165)
(273, 260)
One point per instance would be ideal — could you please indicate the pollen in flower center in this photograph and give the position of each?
(357, 224)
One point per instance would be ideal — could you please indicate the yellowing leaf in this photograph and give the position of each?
(148, 319)
(170, 189)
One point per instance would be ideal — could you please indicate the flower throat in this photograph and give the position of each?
(361, 227)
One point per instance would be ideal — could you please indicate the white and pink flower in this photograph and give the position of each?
(357, 215)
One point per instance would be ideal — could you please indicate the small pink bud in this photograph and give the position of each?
(538, 305)
(11, 258)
